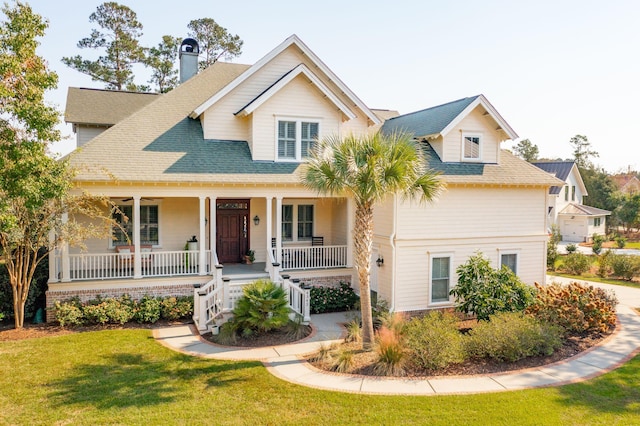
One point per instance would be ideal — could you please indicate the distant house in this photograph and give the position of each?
(577, 222)
(627, 183)
(220, 157)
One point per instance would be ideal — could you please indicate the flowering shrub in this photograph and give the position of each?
(174, 308)
(575, 307)
(69, 312)
(331, 299)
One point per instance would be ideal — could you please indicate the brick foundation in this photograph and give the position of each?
(326, 281)
(136, 293)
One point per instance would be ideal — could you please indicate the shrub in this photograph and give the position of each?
(390, 351)
(598, 240)
(510, 336)
(571, 248)
(434, 341)
(69, 312)
(36, 297)
(332, 299)
(625, 266)
(175, 308)
(576, 263)
(621, 241)
(575, 307)
(147, 309)
(604, 264)
(109, 310)
(552, 247)
(483, 291)
(263, 307)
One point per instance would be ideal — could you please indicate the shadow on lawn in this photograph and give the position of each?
(132, 380)
(615, 392)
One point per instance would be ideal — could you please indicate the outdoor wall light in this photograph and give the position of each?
(379, 261)
(256, 220)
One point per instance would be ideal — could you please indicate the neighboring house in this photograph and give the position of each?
(220, 157)
(627, 183)
(576, 222)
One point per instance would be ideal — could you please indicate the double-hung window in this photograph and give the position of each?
(510, 260)
(440, 278)
(148, 225)
(298, 218)
(471, 146)
(296, 139)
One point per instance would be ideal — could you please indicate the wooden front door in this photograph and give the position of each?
(232, 221)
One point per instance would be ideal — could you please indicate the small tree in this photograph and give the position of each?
(214, 40)
(483, 290)
(526, 150)
(583, 152)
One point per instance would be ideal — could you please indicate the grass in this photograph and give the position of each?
(632, 245)
(595, 278)
(125, 377)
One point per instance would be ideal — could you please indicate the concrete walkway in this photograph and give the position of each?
(286, 362)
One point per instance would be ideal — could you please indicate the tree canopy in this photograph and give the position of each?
(161, 60)
(526, 150)
(583, 151)
(214, 40)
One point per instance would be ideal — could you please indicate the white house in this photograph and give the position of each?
(220, 158)
(577, 222)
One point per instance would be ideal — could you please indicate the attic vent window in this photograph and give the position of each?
(471, 146)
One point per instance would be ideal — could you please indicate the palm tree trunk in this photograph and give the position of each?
(363, 238)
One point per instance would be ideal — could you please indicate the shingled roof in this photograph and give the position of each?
(103, 107)
(582, 210)
(559, 169)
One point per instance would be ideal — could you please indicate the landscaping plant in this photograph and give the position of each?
(262, 308)
(434, 341)
(332, 299)
(625, 266)
(576, 263)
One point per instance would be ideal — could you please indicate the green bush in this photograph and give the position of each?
(598, 240)
(625, 266)
(147, 309)
(36, 297)
(552, 247)
(483, 290)
(511, 336)
(434, 341)
(332, 299)
(621, 241)
(576, 263)
(69, 312)
(575, 307)
(571, 248)
(262, 307)
(175, 308)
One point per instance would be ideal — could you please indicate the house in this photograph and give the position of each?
(576, 222)
(220, 158)
(627, 183)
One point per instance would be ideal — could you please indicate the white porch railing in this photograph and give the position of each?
(87, 266)
(299, 299)
(316, 257)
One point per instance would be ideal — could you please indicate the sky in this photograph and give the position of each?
(553, 69)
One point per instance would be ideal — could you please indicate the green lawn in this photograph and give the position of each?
(125, 377)
(595, 278)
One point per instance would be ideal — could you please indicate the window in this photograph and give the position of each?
(573, 193)
(296, 139)
(566, 193)
(510, 260)
(471, 146)
(597, 221)
(299, 218)
(148, 225)
(440, 278)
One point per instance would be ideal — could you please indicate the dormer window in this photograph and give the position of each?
(471, 146)
(296, 139)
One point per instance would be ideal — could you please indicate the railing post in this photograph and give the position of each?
(306, 311)
(201, 253)
(226, 300)
(285, 287)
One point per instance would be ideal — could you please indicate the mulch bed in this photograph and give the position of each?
(272, 338)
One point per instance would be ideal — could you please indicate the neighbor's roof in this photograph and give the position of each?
(582, 210)
(440, 119)
(511, 170)
(559, 169)
(103, 107)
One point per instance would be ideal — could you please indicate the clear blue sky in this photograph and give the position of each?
(553, 69)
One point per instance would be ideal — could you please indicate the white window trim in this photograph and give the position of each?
(509, 251)
(294, 220)
(298, 120)
(143, 203)
(471, 135)
(452, 281)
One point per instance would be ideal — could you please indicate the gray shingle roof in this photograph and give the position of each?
(582, 210)
(559, 169)
(103, 107)
(428, 121)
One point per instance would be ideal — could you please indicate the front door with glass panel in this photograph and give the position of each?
(232, 233)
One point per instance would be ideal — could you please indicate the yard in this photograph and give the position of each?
(125, 377)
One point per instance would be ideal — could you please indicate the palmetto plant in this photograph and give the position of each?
(263, 307)
(368, 169)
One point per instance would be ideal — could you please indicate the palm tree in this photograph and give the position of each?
(368, 169)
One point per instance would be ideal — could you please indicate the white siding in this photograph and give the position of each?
(475, 122)
(86, 133)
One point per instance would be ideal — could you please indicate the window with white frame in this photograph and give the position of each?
(597, 221)
(296, 139)
(471, 146)
(566, 193)
(440, 278)
(573, 193)
(148, 225)
(510, 260)
(298, 218)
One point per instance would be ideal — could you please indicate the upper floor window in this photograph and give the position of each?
(296, 139)
(566, 193)
(573, 193)
(471, 146)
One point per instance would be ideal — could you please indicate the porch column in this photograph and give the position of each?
(202, 267)
(137, 257)
(269, 229)
(53, 263)
(212, 230)
(64, 253)
(350, 227)
(279, 230)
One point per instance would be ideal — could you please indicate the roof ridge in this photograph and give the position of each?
(436, 106)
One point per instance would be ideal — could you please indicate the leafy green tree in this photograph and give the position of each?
(118, 37)
(526, 150)
(583, 152)
(629, 211)
(214, 40)
(35, 189)
(368, 169)
(161, 60)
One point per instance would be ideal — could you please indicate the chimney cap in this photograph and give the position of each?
(189, 45)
